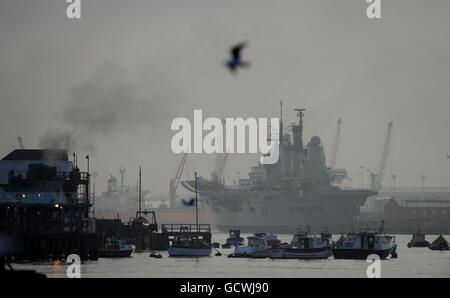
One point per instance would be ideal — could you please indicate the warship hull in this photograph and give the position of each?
(296, 192)
(265, 211)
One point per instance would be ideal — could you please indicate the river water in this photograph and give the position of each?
(411, 262)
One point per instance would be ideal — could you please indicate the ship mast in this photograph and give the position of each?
(122, 176)
(281, 122)
(298, 141)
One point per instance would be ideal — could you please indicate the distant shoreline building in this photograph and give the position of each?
(407, 209)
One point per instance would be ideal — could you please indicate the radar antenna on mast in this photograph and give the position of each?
(122, 175)
(298, 131)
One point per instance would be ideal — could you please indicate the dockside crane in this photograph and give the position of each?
(221, 162)
(175, 181)
(337, 176)
(384, 158)
(337, 141)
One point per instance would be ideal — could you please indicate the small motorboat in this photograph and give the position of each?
(116, 249)
(189, 246)
(155, 255)
(257, 248)
(439, 244)
(272, 240)
(418, 240)
(360, 246)
(305, 246)
(234, 239)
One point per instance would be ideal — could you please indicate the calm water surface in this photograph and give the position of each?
(411, 262)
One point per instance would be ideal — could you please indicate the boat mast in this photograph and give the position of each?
(196, 205)
(140, 182)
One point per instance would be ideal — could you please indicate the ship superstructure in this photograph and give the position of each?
(296, 191)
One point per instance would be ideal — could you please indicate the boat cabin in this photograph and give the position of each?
(235, 234)
(418, 237)
(256, 241)
(189, 242)
(305, 241)
(271, 239)
(367, 240)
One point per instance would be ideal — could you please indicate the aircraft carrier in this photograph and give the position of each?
(297, 192)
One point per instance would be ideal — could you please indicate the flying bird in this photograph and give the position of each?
(235, 60)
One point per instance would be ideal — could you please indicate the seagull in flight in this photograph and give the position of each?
(235, 59)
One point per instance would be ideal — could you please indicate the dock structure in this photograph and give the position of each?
(44, 207)
(142, 231)
(47, 232)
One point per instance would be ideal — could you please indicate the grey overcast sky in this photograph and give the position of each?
(115, 79)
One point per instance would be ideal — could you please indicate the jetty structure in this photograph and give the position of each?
(142, 230)
(44, 206)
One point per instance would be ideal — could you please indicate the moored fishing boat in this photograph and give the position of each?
(360, 246)
(271, 239)
(418, 240)
(189, 246)
(234, 239)
(305, 246)
(116, 249)
(257, 248)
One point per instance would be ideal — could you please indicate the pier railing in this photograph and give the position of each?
(186, 228)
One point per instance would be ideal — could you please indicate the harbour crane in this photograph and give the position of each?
(384, 158)
(175, 181)
(337, 175)
(221, 161)
(337, 141)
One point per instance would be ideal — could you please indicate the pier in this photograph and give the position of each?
(44, 207)
(139, 231)
(42, 232)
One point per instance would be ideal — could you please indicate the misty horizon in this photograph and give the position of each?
(110, 84)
